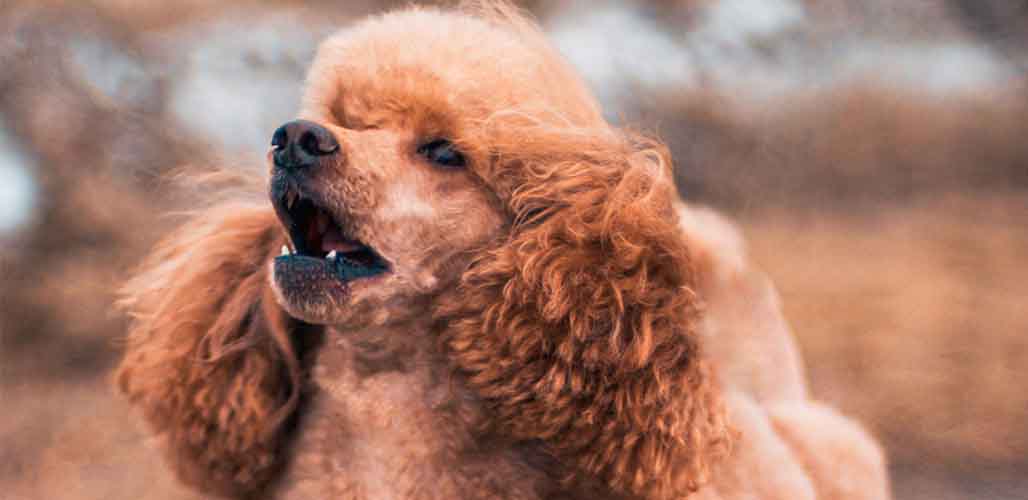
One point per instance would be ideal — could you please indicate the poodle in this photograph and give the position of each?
(467, 284)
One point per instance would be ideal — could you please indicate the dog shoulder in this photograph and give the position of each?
(744, 330)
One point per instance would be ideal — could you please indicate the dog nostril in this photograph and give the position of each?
(317, 141)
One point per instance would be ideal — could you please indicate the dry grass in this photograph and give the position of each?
(912, 318)
(854, 143)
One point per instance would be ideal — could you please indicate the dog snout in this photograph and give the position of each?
(302, 144)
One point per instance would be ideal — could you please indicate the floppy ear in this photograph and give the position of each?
(579, 329)
(209, 358)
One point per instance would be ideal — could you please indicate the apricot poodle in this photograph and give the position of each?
(469, 285)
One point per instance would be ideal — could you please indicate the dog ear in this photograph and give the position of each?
(579, 329)
(209, 358)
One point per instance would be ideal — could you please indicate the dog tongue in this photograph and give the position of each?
(327, 236)
(334, 241)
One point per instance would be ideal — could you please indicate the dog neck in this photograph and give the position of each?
(371, 411)
(383, 411)
(377, 351)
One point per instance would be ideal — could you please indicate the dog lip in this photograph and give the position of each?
(307, 275)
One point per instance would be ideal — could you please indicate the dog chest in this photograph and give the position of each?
(388, 423)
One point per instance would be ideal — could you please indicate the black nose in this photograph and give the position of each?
(301, 143)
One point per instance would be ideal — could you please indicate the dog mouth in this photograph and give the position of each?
(318, 240)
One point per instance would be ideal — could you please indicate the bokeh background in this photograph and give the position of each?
(875, 153)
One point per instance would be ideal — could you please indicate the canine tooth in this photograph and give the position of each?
(331, 255)
(285, 251)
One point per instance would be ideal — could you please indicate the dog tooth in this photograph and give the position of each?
(331, 255)
(285, 251)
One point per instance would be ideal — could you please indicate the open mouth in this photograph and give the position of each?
(316, 235)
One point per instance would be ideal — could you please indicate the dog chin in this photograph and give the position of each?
(318, 293)
(306, 291)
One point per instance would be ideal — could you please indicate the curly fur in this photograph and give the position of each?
(600, 339)
(209, 358)
(579, 328)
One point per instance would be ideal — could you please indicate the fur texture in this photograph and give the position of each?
(549, 326)
(209, 358)
(579, 330)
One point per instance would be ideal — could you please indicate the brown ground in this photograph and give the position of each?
(913, 319)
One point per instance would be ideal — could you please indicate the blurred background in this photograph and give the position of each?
(875, 153)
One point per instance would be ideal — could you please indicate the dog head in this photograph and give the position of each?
(402, 165)
(454, 165)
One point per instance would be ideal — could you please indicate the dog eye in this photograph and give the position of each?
(442, 152)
